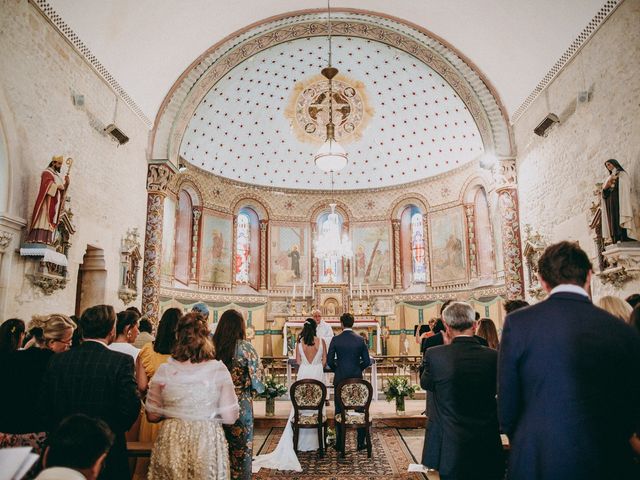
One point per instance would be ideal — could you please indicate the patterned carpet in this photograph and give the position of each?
(390, 459)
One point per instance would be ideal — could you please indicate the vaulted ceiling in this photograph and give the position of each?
(146, 45)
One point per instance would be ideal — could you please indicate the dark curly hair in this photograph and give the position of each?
(230, 329)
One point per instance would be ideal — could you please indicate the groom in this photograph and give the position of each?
(348, 356)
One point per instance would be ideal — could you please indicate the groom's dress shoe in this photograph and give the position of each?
(362, 446)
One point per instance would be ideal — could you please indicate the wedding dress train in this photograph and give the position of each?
(284, 457)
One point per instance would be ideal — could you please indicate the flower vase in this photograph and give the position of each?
(270, 408)
(400, 410)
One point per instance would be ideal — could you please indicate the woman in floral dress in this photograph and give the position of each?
(244, 365)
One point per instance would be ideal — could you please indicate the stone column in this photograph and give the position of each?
(264, 224)
(158, 178)
(314, 261)
(267, 345)
(234, 249)
(10, 228)
(425, 242)
(469, 212)
(195, 242)
(397, 277)
(511, 245)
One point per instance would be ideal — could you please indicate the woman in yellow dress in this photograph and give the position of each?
(151, 356)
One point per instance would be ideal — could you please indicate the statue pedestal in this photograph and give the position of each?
(623, 259)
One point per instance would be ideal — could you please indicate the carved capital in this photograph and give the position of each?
(5, 240)
(505, 173)
(396, 225)
(158, 178)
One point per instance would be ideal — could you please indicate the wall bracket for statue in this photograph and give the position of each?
(51, 271)
(129, 266)
(534, 245)
(623, 260)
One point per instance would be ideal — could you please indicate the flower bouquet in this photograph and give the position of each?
(272, 390)
(398, 388)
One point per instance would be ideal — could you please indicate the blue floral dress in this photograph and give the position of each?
(247, 376)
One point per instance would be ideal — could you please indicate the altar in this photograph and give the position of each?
(362, 322)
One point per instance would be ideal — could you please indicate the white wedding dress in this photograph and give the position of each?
(284, 457)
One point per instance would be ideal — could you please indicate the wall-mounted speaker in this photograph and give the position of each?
(117, 134)
(543, 127)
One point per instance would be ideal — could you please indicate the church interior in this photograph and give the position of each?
(279, 157)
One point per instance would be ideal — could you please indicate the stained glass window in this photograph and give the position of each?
(243, 248)
(417, 248)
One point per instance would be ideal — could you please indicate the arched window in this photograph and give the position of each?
(418, 268)
(330, 229)
(184, 226)
(412, 246)
(484, 235)
(243, 248)
(246, 265)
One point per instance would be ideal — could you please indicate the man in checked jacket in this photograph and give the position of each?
(96, 381)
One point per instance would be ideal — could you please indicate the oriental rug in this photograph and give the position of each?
(389, 460)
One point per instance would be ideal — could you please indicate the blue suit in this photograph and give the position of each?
(348, 356)
(568, 390)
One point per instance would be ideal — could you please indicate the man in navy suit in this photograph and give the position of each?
(348, 356)
(568, 379)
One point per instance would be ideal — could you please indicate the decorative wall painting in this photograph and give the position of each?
(168, 237)
(289, 255)
(448, 246)
(215, 249)
(371, 263)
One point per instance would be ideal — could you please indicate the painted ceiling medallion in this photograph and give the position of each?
(308, 110)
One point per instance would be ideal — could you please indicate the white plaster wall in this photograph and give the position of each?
(557, 173)
(40, 72)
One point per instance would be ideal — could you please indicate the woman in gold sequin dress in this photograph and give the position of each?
(244, 364)
(194, 395)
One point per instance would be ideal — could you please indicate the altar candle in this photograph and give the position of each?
(368, 291)
(359, 291)
(313, 291)
(293, 295)
(350, 290)
(304, 290)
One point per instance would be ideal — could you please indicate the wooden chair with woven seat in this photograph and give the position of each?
(353, 397)
(308, 397)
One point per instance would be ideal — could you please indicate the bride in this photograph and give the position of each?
(311, 356)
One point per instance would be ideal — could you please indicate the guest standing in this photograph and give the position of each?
(146, 333)
(462, 436)
(21, 372)
(569, 402)
(11, 335)
(149, 360)
(243, 363)
(487, 329)
(126, 333)
(616, 307)
(194, 395)
(94, 380)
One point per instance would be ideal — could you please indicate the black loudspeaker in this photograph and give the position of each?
(543, 127)
(117, 134)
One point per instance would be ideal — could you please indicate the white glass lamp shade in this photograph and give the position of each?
(331, 157)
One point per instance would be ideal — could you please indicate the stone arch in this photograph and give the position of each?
(194, 192)
(321, 206)
(252, 202)
(395, 212)
(462, 75)
(9, 157)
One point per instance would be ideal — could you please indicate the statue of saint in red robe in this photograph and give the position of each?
(48, 206)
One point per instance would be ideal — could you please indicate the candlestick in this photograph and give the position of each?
(304, 290)
(359, 291)
(293, 295)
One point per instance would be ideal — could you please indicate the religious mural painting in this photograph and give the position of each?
(215, 259)
(168, 236)
(448, 250)
(289, 255)
(371, 254)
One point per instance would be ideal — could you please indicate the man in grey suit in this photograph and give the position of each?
(348, 356)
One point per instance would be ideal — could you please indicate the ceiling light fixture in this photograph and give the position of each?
(331, 157)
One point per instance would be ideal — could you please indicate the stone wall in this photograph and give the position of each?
(557, 173)
(40, 73)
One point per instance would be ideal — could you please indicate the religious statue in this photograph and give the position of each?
(49, 203)
(294, 254)
(618, 222)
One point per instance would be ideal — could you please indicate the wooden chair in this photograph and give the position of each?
(307, 398)
(353, 398)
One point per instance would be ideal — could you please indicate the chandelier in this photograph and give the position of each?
(331, 157)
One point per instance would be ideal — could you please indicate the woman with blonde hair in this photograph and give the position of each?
(616, 307)
(194, 395)
(21, 372)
